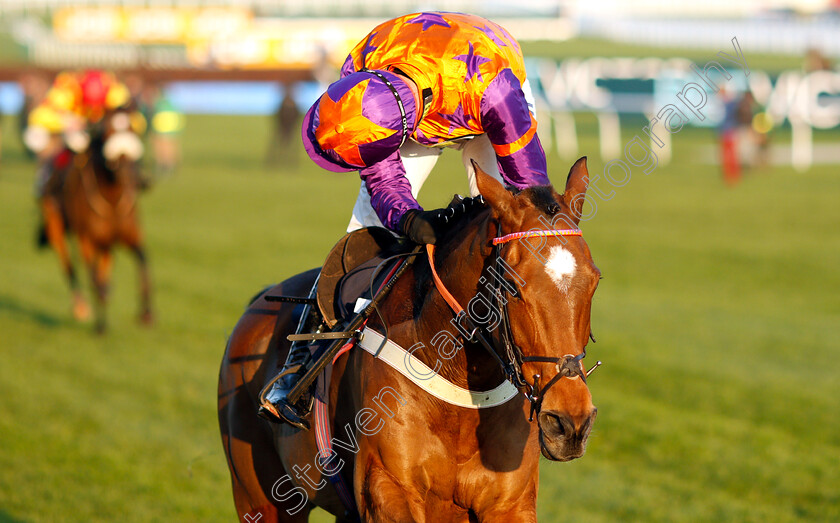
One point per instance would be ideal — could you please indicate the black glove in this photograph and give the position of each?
(423, 226)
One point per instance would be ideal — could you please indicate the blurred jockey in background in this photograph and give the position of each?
(413, 86)
(62, 122)
(166, 124)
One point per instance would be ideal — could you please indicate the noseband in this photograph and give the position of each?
(568, 366)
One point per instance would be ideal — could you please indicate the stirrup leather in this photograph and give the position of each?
(278, 409)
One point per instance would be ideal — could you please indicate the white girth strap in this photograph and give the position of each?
(428, 380)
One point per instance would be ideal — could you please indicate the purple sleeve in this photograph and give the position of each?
(506, 119)
(348, 67)
(389, 189)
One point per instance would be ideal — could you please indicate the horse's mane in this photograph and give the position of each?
(465, 210)
(462, 211)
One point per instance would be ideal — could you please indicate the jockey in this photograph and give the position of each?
(415, 85)
(73, 103)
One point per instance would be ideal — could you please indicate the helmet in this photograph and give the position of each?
(62, 98)
(117, 96)
(65, 93)
(46, 117)
(95, 86)
(68, 81)
(361, 120)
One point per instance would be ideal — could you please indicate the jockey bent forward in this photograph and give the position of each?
(415, 85)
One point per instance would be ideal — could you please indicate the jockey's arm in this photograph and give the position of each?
(390, 190)
(512, 130)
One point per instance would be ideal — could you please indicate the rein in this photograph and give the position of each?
(568, 366)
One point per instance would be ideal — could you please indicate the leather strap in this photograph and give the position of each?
(341, 335)
(450, 299)
(421, 375)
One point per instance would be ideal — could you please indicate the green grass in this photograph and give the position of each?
(717, 322)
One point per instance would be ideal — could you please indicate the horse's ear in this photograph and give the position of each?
(576, 185)
(494, 192)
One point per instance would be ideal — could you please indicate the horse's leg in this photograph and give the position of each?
(104, 264)
(259, 478)
(54, 224)
(385, 501)
(518, 504)
(382, 500)
(525, 512)
(145, 284)
(251, 459)
(91, 255)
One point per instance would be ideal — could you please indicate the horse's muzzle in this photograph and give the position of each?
(560, 438)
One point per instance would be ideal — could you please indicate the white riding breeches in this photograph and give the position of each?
(418, 162)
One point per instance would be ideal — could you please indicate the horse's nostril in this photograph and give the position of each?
(554, 425)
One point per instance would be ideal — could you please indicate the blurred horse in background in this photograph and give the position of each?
(404, 454)
(97, 201)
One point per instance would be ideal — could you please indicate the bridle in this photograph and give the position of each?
(567, 366)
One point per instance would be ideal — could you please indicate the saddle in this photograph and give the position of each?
(354, 269)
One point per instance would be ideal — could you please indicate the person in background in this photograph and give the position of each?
(415, 85)
(728, 138)
(286, 122)
(165, 124)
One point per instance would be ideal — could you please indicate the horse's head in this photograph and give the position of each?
(121, 142)
(549, 282)
(117, 143)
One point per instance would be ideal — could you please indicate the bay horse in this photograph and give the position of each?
(97, 201)
(430, 461)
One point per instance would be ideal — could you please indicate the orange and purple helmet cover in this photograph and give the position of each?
(361, 120)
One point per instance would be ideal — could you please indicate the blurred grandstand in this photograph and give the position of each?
(242, 57)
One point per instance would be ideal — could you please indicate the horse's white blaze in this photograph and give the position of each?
(561, 267)
(123, 143)
(121, 122)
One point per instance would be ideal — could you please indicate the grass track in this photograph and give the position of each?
(717, 321)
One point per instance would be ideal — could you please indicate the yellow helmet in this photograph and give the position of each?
(118, 96)
(67, 80)
(62, 98)
(46, 117)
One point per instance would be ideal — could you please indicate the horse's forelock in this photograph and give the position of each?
(543, 198)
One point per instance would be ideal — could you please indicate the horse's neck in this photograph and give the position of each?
(466, 364)
(106, 190)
